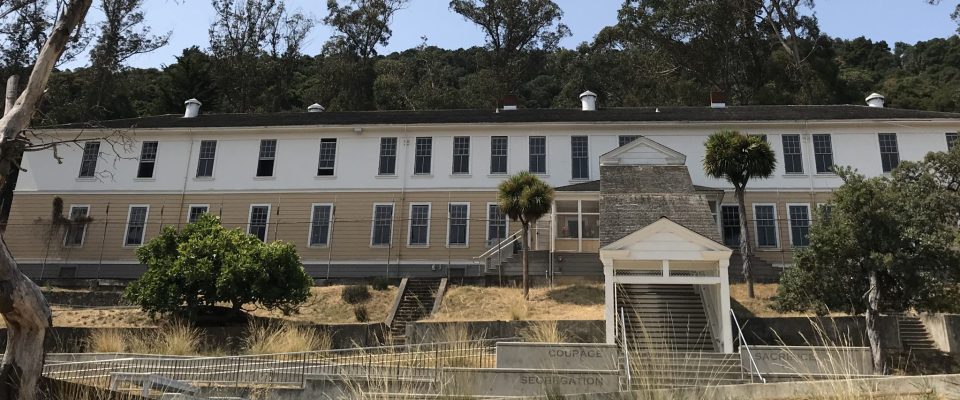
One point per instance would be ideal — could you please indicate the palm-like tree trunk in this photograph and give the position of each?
(746, 251)
(526, 261)
(873, 305)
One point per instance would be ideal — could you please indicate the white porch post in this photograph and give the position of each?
(610, 305)
(725, 306)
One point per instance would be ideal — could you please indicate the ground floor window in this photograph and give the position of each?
(419, 224)
(382, 224)
(730, 224)
(78, 226)
(458, 224)
(799, 224)
(320, 221)
(577, 220)
(496, 225)
(259, 217)
(765, 219)
(195, 212)
(136, 225)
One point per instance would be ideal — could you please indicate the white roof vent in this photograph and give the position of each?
(315, 108)
(588, 101)
(876, 100)
(193, 108)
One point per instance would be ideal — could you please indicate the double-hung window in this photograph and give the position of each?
(730, 224)
(823, 153)
(952, 140)
(388, 156)
(423, 154)
(765, 221)
(496, 224)
(328, 157)
(136, 225)
(498, 155)
(461, 155)
(267, 157)
(419, 225)
(580, 157)
(88, 162)
(624, 139)
(78, 226)
(792, 154)
(799, 224)
(208, 152)
(321, 218)
(889, 154)
(259, 218)
(148, 160)
(538, 154)
(458, 224)
(195, 212)
(382, 225)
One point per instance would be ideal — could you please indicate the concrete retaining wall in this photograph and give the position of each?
(944, 330)
(530, 382)
(808, 361)
(557, 356)
(827, 331)
(580, 331)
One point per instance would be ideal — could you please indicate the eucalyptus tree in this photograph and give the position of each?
(525, 198)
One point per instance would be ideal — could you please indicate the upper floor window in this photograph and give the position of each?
(382, 225)
(730, 225)
(208, 152)
(388, 156)
(951, 140)
(538, 154)
(328, 157)
(823, 153)
(765, 219)
(624, 139)
(461, 155)
(77, 229)
(580, 157)
(889, 153)
(458, 219)
(136, 225)
(148, 159)
(792, 155)
(259, 218)
(423, 154)
(419, 225)
(88, 163)
(799, 224)
(498, 155)
(195, 212)
(267, 157)
(320, 221)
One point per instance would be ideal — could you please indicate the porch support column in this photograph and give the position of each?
(725, 318)
(610, 305)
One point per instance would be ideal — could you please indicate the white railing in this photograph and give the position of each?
(494, 256)
(743, 344)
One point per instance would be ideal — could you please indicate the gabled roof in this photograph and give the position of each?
(662, 225)
(643, 151)
(638, 114)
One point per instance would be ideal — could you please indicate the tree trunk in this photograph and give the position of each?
(22, 304)
(873, 303)
(746, 251)
(526, 261)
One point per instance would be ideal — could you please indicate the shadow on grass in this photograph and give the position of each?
(577, 294)
(741, 311)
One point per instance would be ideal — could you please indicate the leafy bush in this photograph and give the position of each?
(380, 283)
(204, 264)
(361, 313)
(355, 294)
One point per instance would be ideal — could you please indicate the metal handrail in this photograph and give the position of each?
(513, 237)
(743, 342)
(626, 351)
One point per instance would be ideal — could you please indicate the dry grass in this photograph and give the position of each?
(543, 332)
(568, 302)
(107, 341)
(284, 338)
(174, 338)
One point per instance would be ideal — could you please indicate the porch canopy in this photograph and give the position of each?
(667, 253)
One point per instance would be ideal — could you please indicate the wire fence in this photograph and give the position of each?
(419, 361)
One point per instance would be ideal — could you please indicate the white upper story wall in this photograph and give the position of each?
(855, 143)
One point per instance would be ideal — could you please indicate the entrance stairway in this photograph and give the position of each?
(664, 318)
(659, 370)
(416, 302)
(913, 335)
(763, 272)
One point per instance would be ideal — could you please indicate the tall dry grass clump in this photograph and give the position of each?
(175, 338)
(543, 332)
(518, 308)
(107, 341)
(178, 339)
(273, 338)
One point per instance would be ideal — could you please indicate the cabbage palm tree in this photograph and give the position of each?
(525, 198)
(738, 158)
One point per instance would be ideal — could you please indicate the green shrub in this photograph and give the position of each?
(355, 294)
(361, 313)
(380, 283)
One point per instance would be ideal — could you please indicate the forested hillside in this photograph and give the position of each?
(661, 52)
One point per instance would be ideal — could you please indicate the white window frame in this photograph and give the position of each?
(469, 155)
(506, 219)
(216, 153)
(126, 226)
(273, 169)
(546, 155)
(430, 165)
(266, 229)
(192, 206)
(373, 224)
(756, 227)
(83, 238)
(573, 159)
(329, 226)
(396, 157)
(156, 156)
(410, 225)
(720, 222)
(466, 236)
(336, 158)
(833, 154)
(790, 222)
(507, 156)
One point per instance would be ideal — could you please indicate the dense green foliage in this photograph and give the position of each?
(204, 264)
(355, 294)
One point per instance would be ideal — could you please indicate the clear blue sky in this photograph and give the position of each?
(890, 20)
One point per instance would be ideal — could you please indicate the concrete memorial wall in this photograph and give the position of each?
(569, 356)
(812, 361)
(528, 382)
